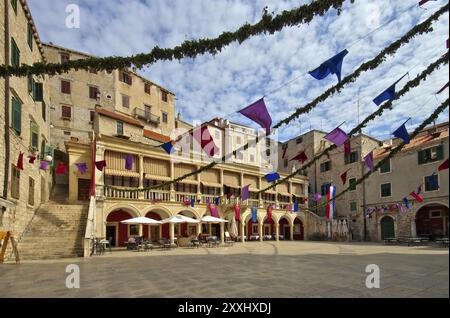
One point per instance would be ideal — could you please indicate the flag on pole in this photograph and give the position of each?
(245, 194)
(300, 157)
(206, 141)
(330, 66)
(82, 167)
(20, 161)
(31, 159)
(405, 200)
(337, 136)
(330, 199)
(237, 212)
(443, 88)
(61, 168)
(416, 196)
(100, 164)
(254, 215)
(368, 160)
(269, 213)
(443, 165)
(258, 113)
(402, 133)
(271, 177)
(317, 197)
(296, 206)
(388, 94)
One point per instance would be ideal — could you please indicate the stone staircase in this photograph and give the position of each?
(56, 231)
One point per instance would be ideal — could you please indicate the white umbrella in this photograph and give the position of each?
(179, 219)
(232, 227)
(213, 219)
(141, 220)
(335, 226)
(329, 229)
(345, 228)
(339, 226)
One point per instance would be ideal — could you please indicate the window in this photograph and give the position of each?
(65, 87)
(435, 214)
(133, 229)
(125, 77)
(147, 111)
(125, 101)
(324, 188)
(120, 128)
(92, 70)
(285, 163)
(14, 5)
(38, 92)
(16, 115)
(351, 158)
(252, 158)
(93, 92)
(352, 184)
(385, 189)
(44, 110)
(31, 191)
(147, 88)
(325, 166)
(299, 140)
(164, 96)
(353, 206)
(43, 147)
(91, 115)
(15, 54)
(30, 83)
(15, 182)
(66, 112)
(67, 133)
(34, 135)
(386, 167)
(432, 183)
(30, 36)
(431, 154)
(254, 228)
(217, 134)
(65, 57)
(164, 117)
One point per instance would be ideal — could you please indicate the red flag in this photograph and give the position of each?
(20, 161)
(61, 168)
(347, 148)
(300, 157)
(31, 159)
(443, 165)
(269, 213)
(205, 139)
(237, 212)
(344, 177)
(416, 196)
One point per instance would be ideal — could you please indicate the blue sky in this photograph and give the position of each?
(210, 86)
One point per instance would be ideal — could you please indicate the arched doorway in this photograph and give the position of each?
(285, 228)
(268, 228)
(387, 227)
(185, 229)
(251, 228)
(432, 221)
(298, 230)
(155, 233)
(117, 231)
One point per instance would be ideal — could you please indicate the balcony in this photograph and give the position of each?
(147, 116)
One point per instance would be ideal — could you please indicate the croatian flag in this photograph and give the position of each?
(330, 206)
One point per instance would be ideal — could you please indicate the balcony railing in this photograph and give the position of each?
(147, 116)
(180, 197)
(157, 195)
(121, 194)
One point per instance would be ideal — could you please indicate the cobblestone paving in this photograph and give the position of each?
(254, 269)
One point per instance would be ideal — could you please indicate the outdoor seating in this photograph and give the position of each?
(443, 242)
(213, 241)
(267, 237)
(254, 237)
(228, 240)
(165, 243)
(145, 245)
(195, 243)
(131, 244)
(98, 247)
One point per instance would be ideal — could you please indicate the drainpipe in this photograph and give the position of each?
(7, 98)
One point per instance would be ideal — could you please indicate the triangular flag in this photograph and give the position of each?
(31, 159)
(168, 147)
(44, 165)
(405, 200)
(330, 66)
(344, 177)
(443, 88)
(61, 168)
(258, 113)
(20, 161)
(443, 165)
(101, 164)
(245, 194)
(237, 212)
(82, 167)
(402, 133)
(300, 157)
(337, 136)
(388, 93)
(269, 213)
(206, 141)
(368, 160)
(271, 177)
(416, 196)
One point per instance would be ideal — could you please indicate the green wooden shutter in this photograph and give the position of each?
(14, 5)
(15, 53)
(44, 111)
(34, 130)
(38, 93)
(440, 152)
(30, 84)
(421, 155)
(50, 151)
(16, 115)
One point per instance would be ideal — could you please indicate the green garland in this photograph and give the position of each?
(394, 151)
(424, 27)
(267, 24)
(388, 105)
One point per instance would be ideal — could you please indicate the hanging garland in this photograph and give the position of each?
(394, 151)
(388, 105)
(268, 24)
(424, 27)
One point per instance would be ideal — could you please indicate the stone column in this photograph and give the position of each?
(291, 232)
(160, 231)
(210, 228)
(171, 230)
(199, 228)
(172, 176)
(141, 177)
(222, 233)
(277, 231)
(260, 231)
(290, 191)
(99, 179)
(242, 231)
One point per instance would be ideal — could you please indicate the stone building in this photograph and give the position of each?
(24, 121)
(406, 172)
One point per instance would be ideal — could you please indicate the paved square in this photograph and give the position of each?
(254, 269)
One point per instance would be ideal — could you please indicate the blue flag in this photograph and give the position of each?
(402, 133)
(388, 94)
(168, 147)
(193, 203)
(216, 200)
(296, 206)
(405, 200)
(271, 177)
(330, 66)
(254, 214)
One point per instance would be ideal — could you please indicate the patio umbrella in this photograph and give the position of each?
(339, 226)
(232, 227)
(141, 220)
(213, 219)
(329, 229)
(345, 228)
(179, 219)
(335, 226)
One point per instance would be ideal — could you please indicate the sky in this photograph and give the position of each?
(210, 86)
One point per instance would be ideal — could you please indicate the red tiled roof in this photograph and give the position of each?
(154, 135)
(120, 117)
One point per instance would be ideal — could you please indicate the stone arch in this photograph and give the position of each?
(285, 227)
(431, 220)
(155, 233)
(117, 231)
(185, 229)
(190, 210)
(298, 228)
(125, 207)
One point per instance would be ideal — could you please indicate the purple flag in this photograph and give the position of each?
(100, 164)
(129, 162)
(213, 210)
(82, 167)
(317, 197)
(245, 193)
(337, 136)
(368, 160)
(258, 113)
(44, 165)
